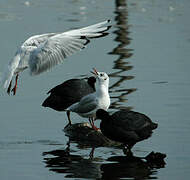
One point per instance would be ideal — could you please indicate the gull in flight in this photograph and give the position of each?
(40, 53)
(90, 103)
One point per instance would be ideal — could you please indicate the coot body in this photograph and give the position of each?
(127, 127)
(69, 92)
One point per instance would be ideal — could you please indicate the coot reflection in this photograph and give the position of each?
(114, 167)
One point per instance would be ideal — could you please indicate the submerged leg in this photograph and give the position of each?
(68, 147)
(15, 87)
(68, 117)
(91, 155)
(9, 88)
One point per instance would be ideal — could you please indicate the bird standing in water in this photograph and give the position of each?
(127, 127)
(89, 104)
(69, 92)
(40, 53)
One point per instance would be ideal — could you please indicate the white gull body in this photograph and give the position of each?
(40, 53)
(100, 99)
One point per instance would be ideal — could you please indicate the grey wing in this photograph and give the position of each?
(57, 47)
(87, 104)
(36, 40)
(54, 51)
(93, 31)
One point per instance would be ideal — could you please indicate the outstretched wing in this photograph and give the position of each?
(59, 46)
(53, 52)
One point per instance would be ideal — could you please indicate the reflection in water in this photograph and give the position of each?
(73, 166)
(122, 37)
(131, 167)
(115, 167)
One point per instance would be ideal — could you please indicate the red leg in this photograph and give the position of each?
(90, 121)
(15, 87)
(92, 124)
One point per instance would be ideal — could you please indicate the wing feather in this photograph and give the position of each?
(86, 104)
(53, 52)
(54, 48)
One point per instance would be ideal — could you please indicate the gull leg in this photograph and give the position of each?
(9, 88)
(68, 117)
(91, 120)
(15, 87)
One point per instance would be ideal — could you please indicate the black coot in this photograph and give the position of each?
(69, 92)
(127, 127)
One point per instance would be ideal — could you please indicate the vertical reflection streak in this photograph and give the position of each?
(120, 64)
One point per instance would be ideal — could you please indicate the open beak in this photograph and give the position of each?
(95, 72)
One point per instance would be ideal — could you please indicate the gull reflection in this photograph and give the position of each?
(71, 165)
(121, 64)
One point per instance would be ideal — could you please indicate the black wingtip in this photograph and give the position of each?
(87, 40)
(101, 35)
(109, 27)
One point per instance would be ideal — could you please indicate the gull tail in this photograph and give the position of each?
(10, 70)
(7, 77)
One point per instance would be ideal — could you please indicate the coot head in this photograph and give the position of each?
(102, 114)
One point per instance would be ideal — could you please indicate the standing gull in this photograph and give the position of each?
(69, 92)
(89, 104)
(127, 127)
(40, 53)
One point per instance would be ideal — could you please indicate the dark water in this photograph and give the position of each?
(147, 58)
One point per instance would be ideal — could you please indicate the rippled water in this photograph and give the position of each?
(147, 58)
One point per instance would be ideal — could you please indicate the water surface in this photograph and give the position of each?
(147, 58)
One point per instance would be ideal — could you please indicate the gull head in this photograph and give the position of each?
(101, 77)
